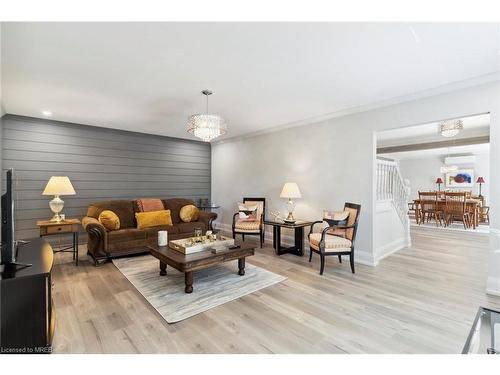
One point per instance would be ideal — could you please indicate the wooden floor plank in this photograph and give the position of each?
(421, 299)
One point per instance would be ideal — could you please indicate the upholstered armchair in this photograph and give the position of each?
(337, 239)
(255, 228)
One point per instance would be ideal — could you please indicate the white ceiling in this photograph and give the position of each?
(147, 77)
(474, 126)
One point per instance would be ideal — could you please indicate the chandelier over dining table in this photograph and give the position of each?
(450, 129)
(206, 126)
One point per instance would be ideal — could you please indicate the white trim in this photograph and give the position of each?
(361, 257)
(454, 86)
(390, 248)
(493, 286)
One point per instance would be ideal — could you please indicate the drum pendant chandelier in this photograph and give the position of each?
(206, 126)
(451, 128)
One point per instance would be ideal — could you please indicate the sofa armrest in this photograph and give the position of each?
(208, 218)
(98, 237)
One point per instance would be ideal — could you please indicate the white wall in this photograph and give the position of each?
(423, 173)
(391, 234)
(333, 161)
(313, 156)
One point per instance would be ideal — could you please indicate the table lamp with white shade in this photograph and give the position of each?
(58, 185)
(290, 190)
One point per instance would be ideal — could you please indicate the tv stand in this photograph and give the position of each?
(27, 312)
(11, 268)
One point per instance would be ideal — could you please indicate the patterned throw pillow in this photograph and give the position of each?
(247, 212)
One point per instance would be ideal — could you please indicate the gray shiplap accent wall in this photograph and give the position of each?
(101, 163)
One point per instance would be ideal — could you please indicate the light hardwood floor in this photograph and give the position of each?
(422, 299)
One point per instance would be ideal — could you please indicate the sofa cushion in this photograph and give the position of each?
(175, 205)
(109, 220)
(153, 219)
(189, 213)
(149, 204)
(252, 226)
(332, 243)
(123, 209)
(126, 235)
(189, 227)
(153, 231)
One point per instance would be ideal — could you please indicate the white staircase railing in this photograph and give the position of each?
(390, 186)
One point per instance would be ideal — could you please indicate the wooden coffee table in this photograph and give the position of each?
(197, 261)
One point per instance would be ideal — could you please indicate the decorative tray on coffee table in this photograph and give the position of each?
(196, 244)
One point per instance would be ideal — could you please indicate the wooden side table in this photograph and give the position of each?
(49, 228)
(298, 227)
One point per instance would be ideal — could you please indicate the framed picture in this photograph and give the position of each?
(463, 178)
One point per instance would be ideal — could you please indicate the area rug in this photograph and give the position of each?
(212, 287)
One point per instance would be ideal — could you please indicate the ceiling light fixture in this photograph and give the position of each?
(206, 126)
(451, 128)
(47, 113)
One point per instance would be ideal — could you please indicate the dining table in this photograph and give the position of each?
(472, 206)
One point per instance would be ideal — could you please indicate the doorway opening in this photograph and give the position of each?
(434, 175)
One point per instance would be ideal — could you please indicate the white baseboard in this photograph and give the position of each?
(365, 258)
(361, 257)
(390, 248)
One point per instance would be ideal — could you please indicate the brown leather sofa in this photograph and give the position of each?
(128, 240)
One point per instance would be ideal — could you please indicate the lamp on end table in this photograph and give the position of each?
(58, 185)
(290, 190)
(480, 181)
(439, 181)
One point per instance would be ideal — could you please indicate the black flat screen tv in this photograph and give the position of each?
(8, 230)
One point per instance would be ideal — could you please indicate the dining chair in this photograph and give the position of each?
(412, 209)
(482, 210)
(456, 209)
(429, 207)
(484, 214)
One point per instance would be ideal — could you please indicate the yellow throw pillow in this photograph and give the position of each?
(153, 219)
(189, 213)
(110, 220)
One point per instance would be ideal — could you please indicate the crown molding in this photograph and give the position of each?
(433, 145)
(443, 89)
